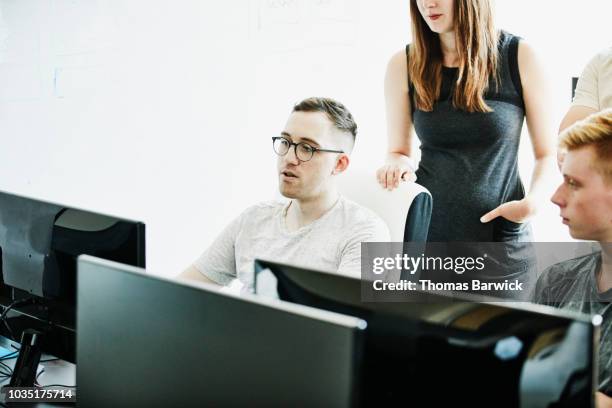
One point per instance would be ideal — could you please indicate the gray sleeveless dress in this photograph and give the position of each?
(469, 160)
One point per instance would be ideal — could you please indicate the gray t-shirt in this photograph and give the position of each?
(572, 285)
(330, 243)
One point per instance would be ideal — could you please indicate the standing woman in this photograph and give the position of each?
(467, 87)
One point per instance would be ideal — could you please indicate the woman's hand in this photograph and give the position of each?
(602, 400)
(517, 211)
(397, 168)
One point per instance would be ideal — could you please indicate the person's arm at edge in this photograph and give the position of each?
(574, 114)
(536, 96)
(399, 124)
(217, 264)
(586, 99)
(192, 273)
(585, 102)
(602, 400)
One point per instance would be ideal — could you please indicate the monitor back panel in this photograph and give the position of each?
(146, 341)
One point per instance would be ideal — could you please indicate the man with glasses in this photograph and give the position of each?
(317, 228)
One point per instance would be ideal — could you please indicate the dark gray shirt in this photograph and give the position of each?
(572, 285)
(469, 160)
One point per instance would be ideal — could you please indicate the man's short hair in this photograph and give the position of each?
(596, 131)
(336, 112)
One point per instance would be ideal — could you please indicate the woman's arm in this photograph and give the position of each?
(536, 96)
(602, 400)
(398, 164)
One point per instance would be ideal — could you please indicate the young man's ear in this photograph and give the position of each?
(341, 164)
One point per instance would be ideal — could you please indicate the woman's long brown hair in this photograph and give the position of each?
(476, 40)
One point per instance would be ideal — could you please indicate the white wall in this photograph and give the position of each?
(162, 111)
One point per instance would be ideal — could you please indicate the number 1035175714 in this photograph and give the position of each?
(37, 394)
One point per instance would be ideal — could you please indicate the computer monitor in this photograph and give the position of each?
(148, 341)
(39, 244)
(444, 351)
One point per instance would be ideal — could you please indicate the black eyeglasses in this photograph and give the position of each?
(303, 151)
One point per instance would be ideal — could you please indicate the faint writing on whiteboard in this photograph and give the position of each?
(339, 10)
(285, 25)
(278, 12)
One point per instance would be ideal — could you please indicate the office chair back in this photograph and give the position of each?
(406, 209)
